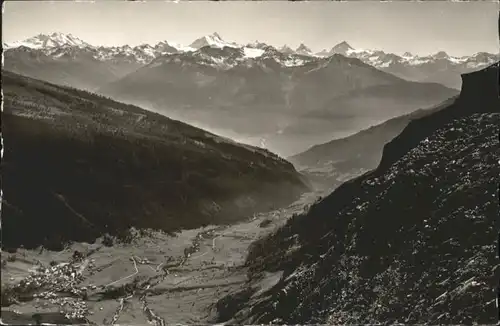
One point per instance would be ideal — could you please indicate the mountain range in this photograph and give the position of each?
(286, 100)
(285, 105)
(439, 67)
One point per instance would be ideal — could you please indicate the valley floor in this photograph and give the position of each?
(157, 279)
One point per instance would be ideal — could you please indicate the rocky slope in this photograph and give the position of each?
(414, 241)
(77, 165)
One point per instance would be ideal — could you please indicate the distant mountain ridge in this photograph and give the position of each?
(57, 39)
(267, 97)
(270, 87)
(439, 67)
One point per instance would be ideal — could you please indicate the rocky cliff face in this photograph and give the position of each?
(414, 241)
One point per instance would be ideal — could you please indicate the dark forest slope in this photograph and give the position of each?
(77, 165)
(412, 242)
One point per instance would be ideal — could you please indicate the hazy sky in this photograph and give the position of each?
(419, 27)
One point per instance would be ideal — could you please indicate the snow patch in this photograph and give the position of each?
(182, 48)
(252, 52)
(293, 62)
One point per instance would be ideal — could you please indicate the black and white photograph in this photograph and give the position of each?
(250, 162)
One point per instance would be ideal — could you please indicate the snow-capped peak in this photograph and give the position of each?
(303, 49)
(286, 49)
(212, 40)
(53, 40)
(258, 45)
(323, 53)
(341, 48)
(166, 47)
(441, 55)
